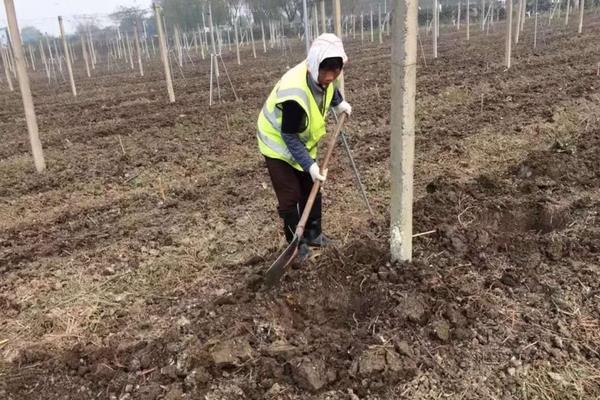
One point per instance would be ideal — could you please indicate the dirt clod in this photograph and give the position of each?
(150, 391)
(104, 371)
(413, 308)
(174, 393)
(441, 330)
(372, 362)
(403, 348)
(169, 371)
(281, 348)
(231, 352)
(310, 374)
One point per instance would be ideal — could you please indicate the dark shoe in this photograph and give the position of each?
(312, 231)
(314, 237)
(304, 254)
(321, 241)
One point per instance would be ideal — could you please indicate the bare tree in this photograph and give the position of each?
(125, 17)
(265, 10)
(187, 13)
(235, 8)
(292, 9)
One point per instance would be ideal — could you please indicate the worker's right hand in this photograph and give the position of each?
(315, 173)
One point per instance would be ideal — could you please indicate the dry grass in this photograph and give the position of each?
(493, 151)
(572, 122)
(572, 381)
(79, 310)
(455, 95)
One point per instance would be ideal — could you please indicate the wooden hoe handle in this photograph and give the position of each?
(317, 184)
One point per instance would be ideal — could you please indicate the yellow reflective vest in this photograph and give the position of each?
(292, 86)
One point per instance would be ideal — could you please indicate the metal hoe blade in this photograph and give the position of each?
(276, 271)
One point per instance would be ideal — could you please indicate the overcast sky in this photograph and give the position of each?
(43, 13)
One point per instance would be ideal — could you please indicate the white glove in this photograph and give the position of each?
(344, 106)
(315, 173)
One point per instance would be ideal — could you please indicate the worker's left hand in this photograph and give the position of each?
(344, 106)
(316, 174)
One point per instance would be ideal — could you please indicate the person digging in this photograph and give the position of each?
(290, 126)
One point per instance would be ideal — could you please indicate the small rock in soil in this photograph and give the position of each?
(373, 278)
(150, 392)
(455, 317)
(515, 362)
(104, 371)
(174, 394)
(509, 279)
(110, 270)
(225, 299)
(383, 275)
(554, 250)
(546, 346)
(183, 323)
(308, 373)
(413, 309)
(403, 348)
(134, 365)
(458, 245)
(274, 390)
(169, 371)
(71, 359)
(552, 217)
(371, 361)
(202, 375)
(556, 377)
(462, 333)
(331, 375)
(183, 364)
(392, 360)
(556, 353)
(558, 342)
(441, 330)
(231, 352)
(393, 276)
(281, 348)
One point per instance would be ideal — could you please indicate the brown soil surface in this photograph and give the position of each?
(132, 268)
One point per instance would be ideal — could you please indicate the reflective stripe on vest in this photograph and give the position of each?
(273, 145)
(295, 92)
(273, 116)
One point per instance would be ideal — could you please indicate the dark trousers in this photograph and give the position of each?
(292, 188)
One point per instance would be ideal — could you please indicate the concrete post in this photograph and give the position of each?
(404, 68)
(67, 56)
(163, 53)
(509, 12)
(136, 38)
(30, 118)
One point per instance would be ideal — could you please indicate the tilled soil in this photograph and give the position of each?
(132, 268)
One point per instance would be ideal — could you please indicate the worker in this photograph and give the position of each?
(290, 126)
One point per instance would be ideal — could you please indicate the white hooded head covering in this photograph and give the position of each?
(325, 46)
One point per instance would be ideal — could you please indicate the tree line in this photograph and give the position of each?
(188, 14)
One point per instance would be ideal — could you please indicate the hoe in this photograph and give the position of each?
(276, 271)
